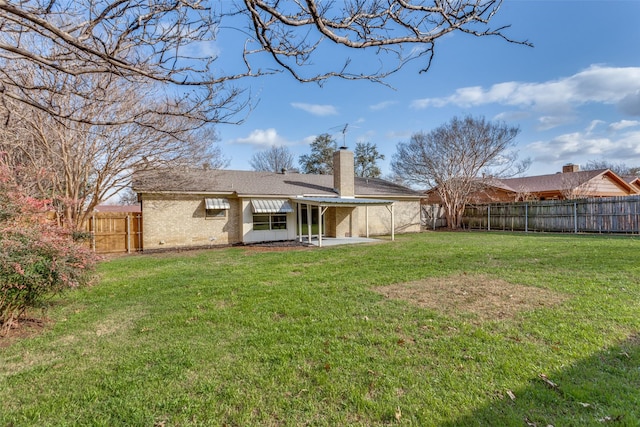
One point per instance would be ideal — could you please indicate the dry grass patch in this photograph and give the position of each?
(484, 297)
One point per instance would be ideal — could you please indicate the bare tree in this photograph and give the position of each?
(454, 157)
(320, 160)
(273, 159)
(366, 156)
(168, 45)
(78, 164)
(620, 169)
(128, 197)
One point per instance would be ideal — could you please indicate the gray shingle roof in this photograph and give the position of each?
(554, 182)
(252, 183)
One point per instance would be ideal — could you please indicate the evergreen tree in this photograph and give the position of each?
(365, 156)
(320, 161)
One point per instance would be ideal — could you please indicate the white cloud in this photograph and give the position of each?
(511, 116)
(596, 84)
(398, 135)
(593, 125)
(580, 147)
(316, 109)
(550, 122)
(367, 136)
(308, 139)
(630, 104)
(262, 138)
(382, 105)
(623, 124)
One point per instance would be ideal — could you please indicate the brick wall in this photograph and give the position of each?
(180, 221)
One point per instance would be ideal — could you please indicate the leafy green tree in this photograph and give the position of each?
(320, 161)
(366, 156)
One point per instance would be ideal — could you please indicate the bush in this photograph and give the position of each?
(38, 259)
(37, 262)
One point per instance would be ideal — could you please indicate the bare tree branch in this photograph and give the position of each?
(278, 159)
(458, 159)
(79, 164)
(157, 43)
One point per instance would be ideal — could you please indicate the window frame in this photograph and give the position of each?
(215, 213)
(270, 222)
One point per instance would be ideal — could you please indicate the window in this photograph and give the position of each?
(270, 214)
(215, 213)
(269, 222)
(278, 222)
(261, 222)
(216, 208)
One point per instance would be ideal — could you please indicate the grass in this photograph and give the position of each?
(308, 337)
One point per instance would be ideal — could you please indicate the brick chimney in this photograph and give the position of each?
(344, 172)
(570, 167)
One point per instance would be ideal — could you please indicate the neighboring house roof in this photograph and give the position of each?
(554, 182)
(253, 183)
(632, 180)
(556, 185)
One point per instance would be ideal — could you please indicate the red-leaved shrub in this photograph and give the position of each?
(38, 259)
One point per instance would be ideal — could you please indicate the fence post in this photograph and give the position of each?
(575, 217)
(526, 217)
(139, 231)
(92, 229)
(488, 217)
(128, 234)
(433, 215)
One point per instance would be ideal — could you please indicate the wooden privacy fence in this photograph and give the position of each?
(593, 215)
(116, 232)
(432, 216)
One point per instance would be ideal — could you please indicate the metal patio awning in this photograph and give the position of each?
(217, 204)
(341, 201)
(271, 206)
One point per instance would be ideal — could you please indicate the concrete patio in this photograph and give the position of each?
(335, 241)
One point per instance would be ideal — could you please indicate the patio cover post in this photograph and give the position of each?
(321, 212)
(393, 222)
(299, 218)
(309, 221)
(366, 219)
(320, 226)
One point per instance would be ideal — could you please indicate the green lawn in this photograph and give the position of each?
(310, 337)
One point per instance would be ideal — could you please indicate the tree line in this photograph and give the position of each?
(319, 160)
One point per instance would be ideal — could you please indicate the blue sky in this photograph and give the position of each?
(575, 95)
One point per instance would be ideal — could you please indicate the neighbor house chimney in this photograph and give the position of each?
(344, 172)
(570, 167)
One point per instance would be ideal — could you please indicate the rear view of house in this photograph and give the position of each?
(199, 207)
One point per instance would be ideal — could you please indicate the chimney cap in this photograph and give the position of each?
(343, 147)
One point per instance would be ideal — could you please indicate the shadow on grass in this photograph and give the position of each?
(603, 389)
